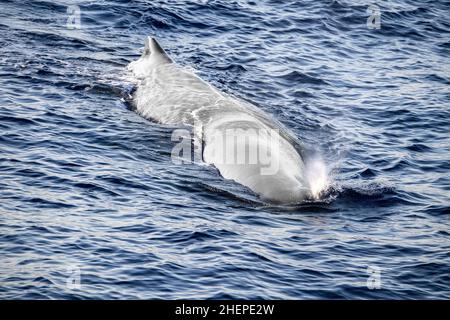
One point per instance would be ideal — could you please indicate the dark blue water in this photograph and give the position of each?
(88, 190)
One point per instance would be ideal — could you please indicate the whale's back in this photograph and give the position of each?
(169, 94)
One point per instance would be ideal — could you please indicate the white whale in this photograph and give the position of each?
(170, 94)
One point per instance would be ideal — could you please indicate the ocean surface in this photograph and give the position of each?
(92, 207)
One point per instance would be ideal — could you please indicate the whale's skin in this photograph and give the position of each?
(170, 94)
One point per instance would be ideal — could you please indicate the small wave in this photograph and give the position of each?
(298, 78)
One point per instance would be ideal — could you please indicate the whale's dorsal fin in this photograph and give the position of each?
(153, 49)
